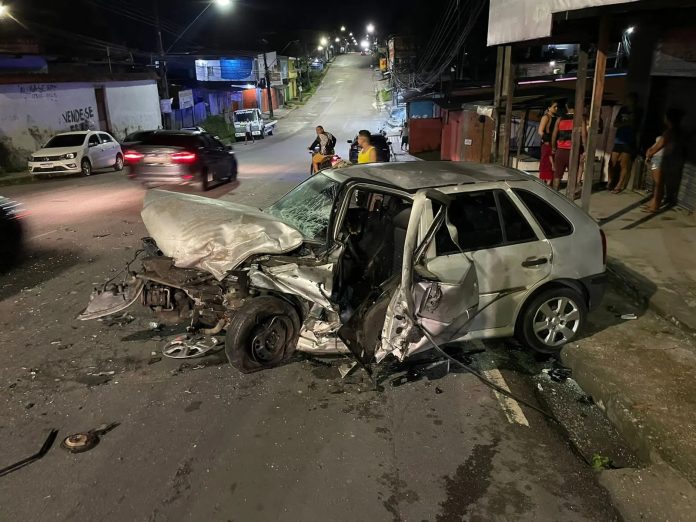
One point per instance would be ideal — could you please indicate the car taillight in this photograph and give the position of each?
(132, 156)
(184, 157)
(604, 246)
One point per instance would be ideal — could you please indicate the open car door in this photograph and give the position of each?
(433, 299)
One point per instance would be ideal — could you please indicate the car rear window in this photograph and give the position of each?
(186, 141)
(553, 223)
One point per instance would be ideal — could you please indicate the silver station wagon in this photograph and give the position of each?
(376, 260)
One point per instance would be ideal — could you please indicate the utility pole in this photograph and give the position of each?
(162, 64)
(268, 84)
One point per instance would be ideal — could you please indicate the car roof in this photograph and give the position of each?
(75, 133)
(180, 132)
(415, 175)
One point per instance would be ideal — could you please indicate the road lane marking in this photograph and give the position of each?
(42, 235)
(511, 407)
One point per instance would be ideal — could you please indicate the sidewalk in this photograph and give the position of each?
(653, 254)
(643, 372)
(16, 178)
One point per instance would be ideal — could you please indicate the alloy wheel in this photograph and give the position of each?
(556, 321)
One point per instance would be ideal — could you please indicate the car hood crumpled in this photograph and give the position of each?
(213, 235)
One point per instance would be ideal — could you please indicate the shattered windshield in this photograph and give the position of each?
(308, 207)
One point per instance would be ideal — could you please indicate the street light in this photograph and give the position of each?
(324, 41)
(370, 28)
(350, 34)
(320, 48)
(343, 28)
(629, 30)
(364, 44)
(219, 3)
(3, 10)
(337, 39)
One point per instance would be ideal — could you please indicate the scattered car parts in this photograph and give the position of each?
(48, 443)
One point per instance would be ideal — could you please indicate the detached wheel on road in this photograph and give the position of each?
(86, 167)
(118, 165)
(262, 334)
(552, 319)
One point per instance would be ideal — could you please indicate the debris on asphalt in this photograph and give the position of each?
(346, 369)
(85, 441)
(119, 320)
(558, 373)
(586, 399)
(438, 390)
(154, 325)
(99, 236)
(629, 317)
(48, 443)
(191, 346)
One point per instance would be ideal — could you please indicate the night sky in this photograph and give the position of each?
(58, 25)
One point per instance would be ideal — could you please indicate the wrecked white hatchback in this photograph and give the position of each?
(371, 260)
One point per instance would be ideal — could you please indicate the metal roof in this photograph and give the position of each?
(415, 175)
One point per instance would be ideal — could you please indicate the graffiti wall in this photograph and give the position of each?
(31, 113)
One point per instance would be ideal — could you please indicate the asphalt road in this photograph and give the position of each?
(199, 441)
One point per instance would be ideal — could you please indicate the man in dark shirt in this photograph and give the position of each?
(625, 144)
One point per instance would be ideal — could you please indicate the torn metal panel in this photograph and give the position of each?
(312, 283)
(213, 235)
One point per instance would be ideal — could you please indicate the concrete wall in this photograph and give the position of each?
(30, 113)
(132, 106)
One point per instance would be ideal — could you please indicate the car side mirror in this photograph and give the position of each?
(389, 143)
(229, 147)
(90, 145)
(349, 141)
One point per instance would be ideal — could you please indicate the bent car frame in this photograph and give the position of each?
(375, 260)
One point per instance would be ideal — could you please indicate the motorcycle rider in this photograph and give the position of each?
(326, 143)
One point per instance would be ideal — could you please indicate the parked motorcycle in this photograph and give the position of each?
(327, 163)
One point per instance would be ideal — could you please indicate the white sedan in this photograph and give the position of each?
(77, 152)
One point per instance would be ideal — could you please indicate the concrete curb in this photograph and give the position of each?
(647, 440)
(661, 300)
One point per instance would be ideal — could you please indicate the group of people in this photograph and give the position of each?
(325, 144)
(665, 158)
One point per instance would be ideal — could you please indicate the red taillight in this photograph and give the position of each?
(187, 177)
(184, 157)
(132, 156)
(604, 246)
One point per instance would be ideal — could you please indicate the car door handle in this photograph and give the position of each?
(534, 261)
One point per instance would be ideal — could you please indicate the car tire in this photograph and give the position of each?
(202, 185)
(262, 334)
(551, 319)
(118, 165)
(86, 167)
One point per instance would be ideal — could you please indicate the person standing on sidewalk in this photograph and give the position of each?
(666, 160)
(404, 136)
(546, 126)
(625, 144)
(561, 143)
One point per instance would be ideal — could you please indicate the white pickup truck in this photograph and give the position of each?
(259, 127)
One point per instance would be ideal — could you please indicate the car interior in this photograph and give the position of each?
(373, 232)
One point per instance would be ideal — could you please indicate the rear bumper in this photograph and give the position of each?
(164, 174)
(595, 286)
